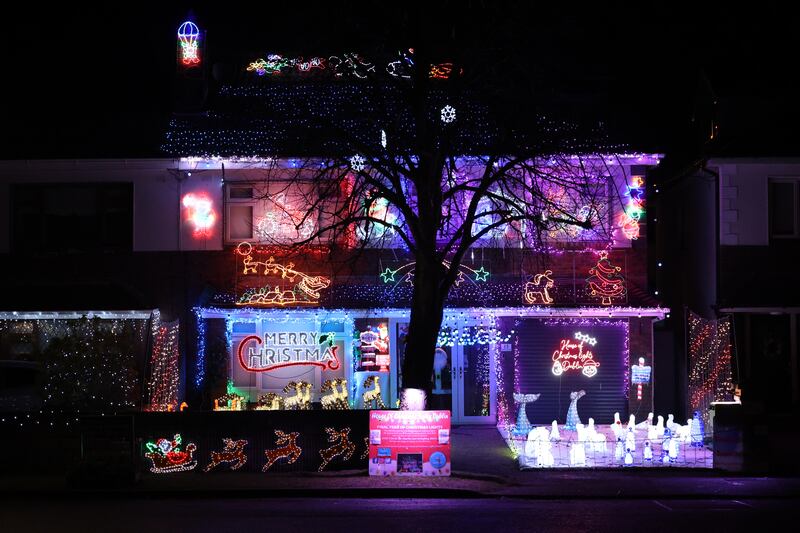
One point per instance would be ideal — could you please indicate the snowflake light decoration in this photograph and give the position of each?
(357, 163)
(448, 114)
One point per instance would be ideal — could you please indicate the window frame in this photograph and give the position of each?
(795, 182)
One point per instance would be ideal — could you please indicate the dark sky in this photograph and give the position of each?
(99, 83)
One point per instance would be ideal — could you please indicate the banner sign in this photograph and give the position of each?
(409, 443)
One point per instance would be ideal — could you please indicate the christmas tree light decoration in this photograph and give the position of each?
(537, 291)
(605, 281)
(357, 163)
(710, 378)
(166, 455)
(448, 114)
(372, 396)
(287, 449)
(199, 211)
(342, 446)
(162, 388)
(188, 35)
(233, 452)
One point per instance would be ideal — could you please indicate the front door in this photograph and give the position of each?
(474, 384)
(462, 381)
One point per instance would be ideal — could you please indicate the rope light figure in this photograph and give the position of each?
(188, 35)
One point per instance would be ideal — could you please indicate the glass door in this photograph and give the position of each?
(474, 384)
(462, 380)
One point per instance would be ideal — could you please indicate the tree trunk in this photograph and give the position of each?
(427, 308)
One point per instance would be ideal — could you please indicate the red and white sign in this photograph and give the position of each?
(409, 443)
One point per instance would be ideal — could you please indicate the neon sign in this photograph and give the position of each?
(287, 348)
(188, 34)
(304, 292)
(200, 213)
(536, 291)
(573, 354)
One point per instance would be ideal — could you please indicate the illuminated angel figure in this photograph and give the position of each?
(188, 34)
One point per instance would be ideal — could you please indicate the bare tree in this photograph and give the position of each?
(413, 189)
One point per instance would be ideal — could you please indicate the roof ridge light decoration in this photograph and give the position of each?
(634, 208)
(346, 65)
(537, 291)
(571, 355)
(304, 292)
(406, 272)
(188, 36)
(606, 281)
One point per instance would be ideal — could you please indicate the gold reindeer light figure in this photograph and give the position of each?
(232, 453)
(287, 448)
(372, 396)
(270, 402)
(302, 395)
(342, 446)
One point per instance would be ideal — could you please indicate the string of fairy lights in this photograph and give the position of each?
(162, 388)
(66, 349)
(710, 376)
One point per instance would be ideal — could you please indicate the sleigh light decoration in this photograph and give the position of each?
(167, 457)
(304, 289)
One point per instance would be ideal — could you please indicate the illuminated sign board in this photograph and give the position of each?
(575, 354)
(280, 349)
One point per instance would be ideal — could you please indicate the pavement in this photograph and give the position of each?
(483, 466)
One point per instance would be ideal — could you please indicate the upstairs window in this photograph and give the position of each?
(783, 208)
(72, 217)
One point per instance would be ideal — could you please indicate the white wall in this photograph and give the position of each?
(744, 197)
(155, 196)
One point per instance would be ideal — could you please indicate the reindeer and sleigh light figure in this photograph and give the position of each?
(304, 292)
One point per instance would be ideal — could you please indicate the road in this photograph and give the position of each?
(383, 515)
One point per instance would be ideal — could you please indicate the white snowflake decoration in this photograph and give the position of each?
(448, 114)
(357, 163)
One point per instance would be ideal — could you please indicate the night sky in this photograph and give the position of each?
(98, 83)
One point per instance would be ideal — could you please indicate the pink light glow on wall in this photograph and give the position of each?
(199, 211)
